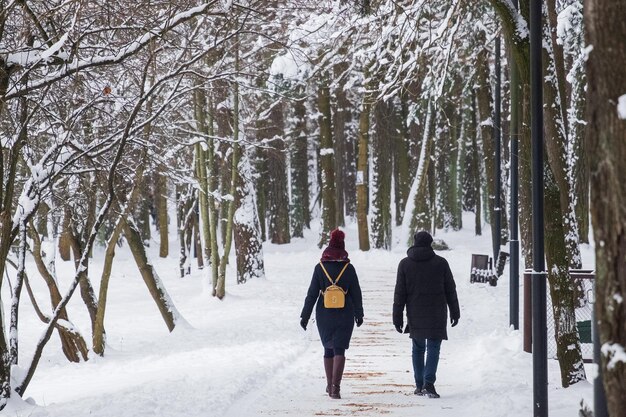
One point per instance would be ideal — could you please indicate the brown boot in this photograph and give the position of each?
(338, 365)
(328, 367)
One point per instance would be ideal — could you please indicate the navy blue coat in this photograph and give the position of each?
(426, 287)
(335, 325)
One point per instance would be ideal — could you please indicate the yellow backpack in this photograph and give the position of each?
(334, 296)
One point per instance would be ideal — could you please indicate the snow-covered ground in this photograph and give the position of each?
(247, 355)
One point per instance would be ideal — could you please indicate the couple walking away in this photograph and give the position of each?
(424, 285)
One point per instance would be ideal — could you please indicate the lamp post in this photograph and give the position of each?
(540, 346)
(497, 238)
(514, 217)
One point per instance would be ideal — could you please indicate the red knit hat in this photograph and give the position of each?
(337, 239)
(336, 250)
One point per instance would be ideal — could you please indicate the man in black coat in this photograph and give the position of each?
(426, 287)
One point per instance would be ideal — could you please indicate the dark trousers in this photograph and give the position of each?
(425, 373)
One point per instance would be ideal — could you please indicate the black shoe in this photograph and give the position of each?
(418, 391)
(429, 391)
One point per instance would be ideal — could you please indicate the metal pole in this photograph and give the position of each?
(540, 345)
(599, 396)
(497, 138)
(514, 236)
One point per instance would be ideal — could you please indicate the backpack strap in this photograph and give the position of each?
(338, 276)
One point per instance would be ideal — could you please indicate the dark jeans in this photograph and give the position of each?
(425, 374)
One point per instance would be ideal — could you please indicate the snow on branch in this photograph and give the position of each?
(35, 57)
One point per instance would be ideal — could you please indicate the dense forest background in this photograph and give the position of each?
(251, 120)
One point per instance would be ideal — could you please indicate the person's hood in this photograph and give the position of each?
(420, 253)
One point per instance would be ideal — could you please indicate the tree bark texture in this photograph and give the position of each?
(271, 130)
(362, 173)
(475, 168)
(381, 181)
(525, 177)
(246, 228)
(160, 206)
(605, 21)
(340, 120)
(460, 152)
(153, 282)
(485, 122)
(561, 288)
(300, 217)
(220, 287)
(73, 344)
(556, 133)
(401, 160)
(142, 212)
(327, 156)
(419, 193)
(444, 168)
(99, 334)
(224, 116)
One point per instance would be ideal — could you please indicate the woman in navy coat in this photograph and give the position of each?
(335, 325)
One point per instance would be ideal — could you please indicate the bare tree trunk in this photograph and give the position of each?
(197, 242)
(160, 205)
(418, 187)
(272, 130)
(339, 122)
(142, 215)
(401, 162)
(475, 171)
(525, 176)
(99, 334)
(427, 215)
(382, 172)
(65, 239)
(485, 107)
(299, 171)
(212, 188)
(327, 156)
(561, 288)
(606, 135)
(220, 288)
(72, 343)
(362, 171)
(200, 105)
(247, 231)
(205, 164)
(87, 292)
(556, 131)
(443, 169)
(182, 209)
(456, 196)
(153, 282)
(16, 293)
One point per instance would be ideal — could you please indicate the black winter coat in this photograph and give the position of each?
(426, 286)
(335, 325)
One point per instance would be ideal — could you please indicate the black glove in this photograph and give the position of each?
(399, 329)
(454, 322)
(359, 321)
(303, 323)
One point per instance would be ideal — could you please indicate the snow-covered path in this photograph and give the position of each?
(482, 371)
(246, 356)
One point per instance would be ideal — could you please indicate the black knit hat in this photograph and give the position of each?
(422, 238)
